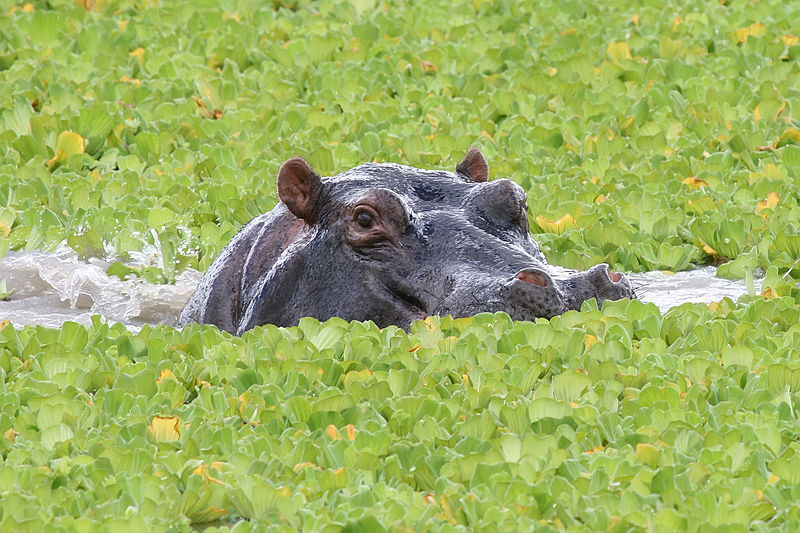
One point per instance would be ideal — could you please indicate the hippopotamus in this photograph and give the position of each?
(392, 244)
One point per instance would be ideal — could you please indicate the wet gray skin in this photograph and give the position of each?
(391, 244)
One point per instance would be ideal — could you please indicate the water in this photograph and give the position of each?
(700, 285)
(51, 288)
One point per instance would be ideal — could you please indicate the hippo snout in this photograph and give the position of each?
(598, 282)
(533, 292)
(603, 278)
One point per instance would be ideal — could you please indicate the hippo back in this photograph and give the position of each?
(251, 253)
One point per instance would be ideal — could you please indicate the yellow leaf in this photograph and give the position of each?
(779, 111)
(351, 431)
(68, 143)
(594, 450)
(90, 5)
(305, 464)
(165, 374)
(447, 512)
(790, 135)
(551, 71)
(756, 30)
(4, 324)
(202, 470)
(789, 40)
(769, 203)
(627, 125)
(28, 8)
(756, 114)
(333, 432)
(10, 433)
(635, 19)
(208, 515)
(433, 121)
(647, 453)
(709, 250)
(694, 182)
(427, 67)
(772, 479)
(600, 199)
(132, 81)
(556, 226)
(5, 230)
(770, 171)
(768, 293)
(164, 428)
(619, 51)
(138, 54)
(589, 341)
(676, 23)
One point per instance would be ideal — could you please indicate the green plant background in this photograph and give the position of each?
(649, 136)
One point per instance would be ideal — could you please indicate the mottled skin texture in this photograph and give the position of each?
(392, 244)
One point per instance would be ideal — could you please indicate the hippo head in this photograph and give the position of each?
(392, 244)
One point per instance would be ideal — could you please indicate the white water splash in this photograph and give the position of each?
(51, 288)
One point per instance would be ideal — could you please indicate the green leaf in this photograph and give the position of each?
(569, 386)
(4, 291)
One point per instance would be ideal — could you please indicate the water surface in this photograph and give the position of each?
(51, 288)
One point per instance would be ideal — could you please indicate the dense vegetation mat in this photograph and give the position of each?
(612, 420)
(654, 136)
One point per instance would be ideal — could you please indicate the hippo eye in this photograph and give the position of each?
(365, 220)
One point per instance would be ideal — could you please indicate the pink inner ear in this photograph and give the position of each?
(615, 276)
(534, 278)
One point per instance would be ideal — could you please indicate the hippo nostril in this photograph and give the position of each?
(532, 277)
(615, 276)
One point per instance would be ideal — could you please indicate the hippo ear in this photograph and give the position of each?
(474, 166)
(299, 188)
